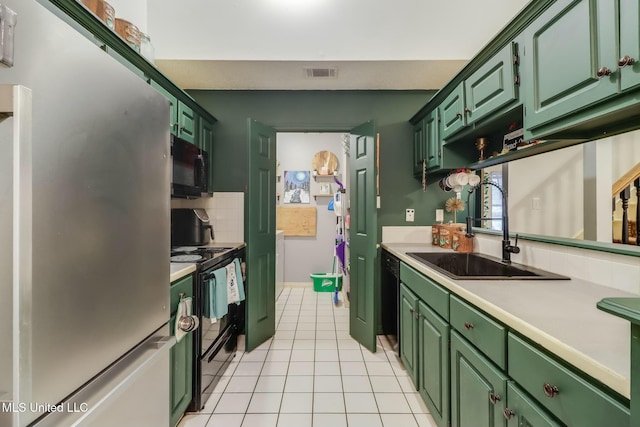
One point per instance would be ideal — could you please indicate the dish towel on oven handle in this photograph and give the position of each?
(215, 301)
(235, 287)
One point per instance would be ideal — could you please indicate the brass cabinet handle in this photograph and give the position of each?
(550, 390)
(467, 111)
(508, 413)
(468, 326)
(604, 71)
(625, 60)
(417, 315)
(411, 310)
(494, 398)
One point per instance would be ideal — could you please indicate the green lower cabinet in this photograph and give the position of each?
(523, 411)
(478, 388)
(409, 332)
(181, 383)
(433, 363)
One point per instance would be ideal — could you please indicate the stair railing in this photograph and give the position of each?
(622, 188)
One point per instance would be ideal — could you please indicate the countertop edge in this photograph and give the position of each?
(591, 367)
(186, 270)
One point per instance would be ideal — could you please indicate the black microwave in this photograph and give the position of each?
(190, 169)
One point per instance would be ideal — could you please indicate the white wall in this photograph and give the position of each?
(556, 180)
(626, 153)
(325, 29)
(306, 255)
(134, 11)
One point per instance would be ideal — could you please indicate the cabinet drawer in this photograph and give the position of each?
(482, 331)
(426, 289)
(569, 397)
(184, 285)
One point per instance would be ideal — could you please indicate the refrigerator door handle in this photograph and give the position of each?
(16, 242)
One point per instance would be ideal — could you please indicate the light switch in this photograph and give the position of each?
(535, 203)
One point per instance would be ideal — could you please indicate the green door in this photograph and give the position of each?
(409, 332)
(260, 234)
(432, 141)
(433, 363)
(523, 411)
(452, 117)
(364, 238)
(492, 86)
(419, 154)
(629, 43)
(565, 48)
(474, 382)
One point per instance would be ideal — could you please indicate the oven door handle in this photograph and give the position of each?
(225, 337)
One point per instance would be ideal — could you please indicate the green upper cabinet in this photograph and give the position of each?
(173, 106)
(629, 61)
(493, 85)
(452, 109)
(570, 59)
(186, 123)
(433, 145)
(419, 149)
(205, 141)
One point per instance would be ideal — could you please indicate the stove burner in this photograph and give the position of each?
(185, 249)
(186, 258)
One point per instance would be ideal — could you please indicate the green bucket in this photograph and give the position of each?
(326, 282)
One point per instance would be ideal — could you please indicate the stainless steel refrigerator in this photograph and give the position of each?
(84, 233)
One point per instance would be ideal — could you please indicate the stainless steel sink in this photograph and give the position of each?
(468, 266)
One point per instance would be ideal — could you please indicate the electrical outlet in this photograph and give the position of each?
(535, 203)
(410, 215)
(439, 215)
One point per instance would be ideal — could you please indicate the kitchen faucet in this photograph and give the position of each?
(507, 248)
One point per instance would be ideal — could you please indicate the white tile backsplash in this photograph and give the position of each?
(607, 269)
(408, 234)
(226, 213)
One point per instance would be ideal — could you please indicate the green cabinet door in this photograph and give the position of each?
(409, 332)
(186, 123)
(205, 139)
(452, 117)
(419, 149)
(478, 388)
(432, 141)
(181, 382)
(173, 106)
(629, 44)
(433, 363)
(570, 59)
(523, 411)
(493, 85)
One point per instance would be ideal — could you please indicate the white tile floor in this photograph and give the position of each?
(312, 373)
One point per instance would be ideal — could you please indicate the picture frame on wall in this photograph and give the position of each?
(325, 188)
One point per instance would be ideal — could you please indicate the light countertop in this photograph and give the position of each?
(559, 315)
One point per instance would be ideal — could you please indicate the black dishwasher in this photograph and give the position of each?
(390, 286)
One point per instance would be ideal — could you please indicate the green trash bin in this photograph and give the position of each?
(326, 282)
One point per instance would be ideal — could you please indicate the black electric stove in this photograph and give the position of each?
(203, 256)
(215, 341)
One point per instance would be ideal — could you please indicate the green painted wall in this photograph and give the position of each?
(327, 111)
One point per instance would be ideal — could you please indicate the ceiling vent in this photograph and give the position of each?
(317, 73)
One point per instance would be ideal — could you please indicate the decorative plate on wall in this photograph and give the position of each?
(324, 163)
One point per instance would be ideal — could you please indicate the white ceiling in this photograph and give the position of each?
(374, 44)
